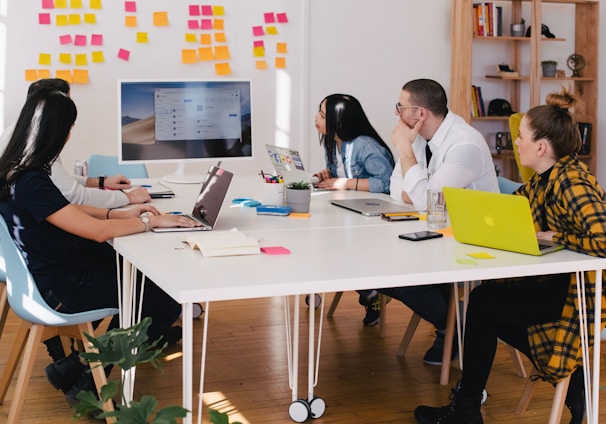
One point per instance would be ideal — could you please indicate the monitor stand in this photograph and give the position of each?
(180, 177)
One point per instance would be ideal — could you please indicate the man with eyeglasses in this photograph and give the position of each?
(435, 148)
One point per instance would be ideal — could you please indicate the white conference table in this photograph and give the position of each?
(334, 250)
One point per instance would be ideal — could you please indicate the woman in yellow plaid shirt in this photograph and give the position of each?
(537, 315)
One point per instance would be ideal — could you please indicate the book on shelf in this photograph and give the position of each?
(488, 19)
(477, 102)
(223, 243)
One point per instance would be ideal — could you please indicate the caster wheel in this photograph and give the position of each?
(317, 407)
(484, 397)
(317, 300)
(197, 310)
(299, 411)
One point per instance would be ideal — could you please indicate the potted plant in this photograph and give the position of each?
(517, 30)
(298, 196)
(127, 348)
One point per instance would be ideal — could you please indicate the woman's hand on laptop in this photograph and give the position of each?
(323, 175)
(546, 235)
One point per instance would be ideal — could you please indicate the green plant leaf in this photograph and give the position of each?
(299, 185)
(217, 417)
(169, 415)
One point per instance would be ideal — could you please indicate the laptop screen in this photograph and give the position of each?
(213, 191)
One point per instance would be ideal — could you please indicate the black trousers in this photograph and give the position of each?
(505, 309)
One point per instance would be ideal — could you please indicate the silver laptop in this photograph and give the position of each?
(372, 207)
(209, 201)
(288, 163)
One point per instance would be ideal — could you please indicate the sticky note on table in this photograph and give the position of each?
(481, 255)
(275, 250)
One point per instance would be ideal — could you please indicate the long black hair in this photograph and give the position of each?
(39, 135)
(346, 119)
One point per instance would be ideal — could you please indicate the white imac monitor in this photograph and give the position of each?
(183, 121)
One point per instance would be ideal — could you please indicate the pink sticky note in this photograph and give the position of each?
(65, 39)
(270, 18)
(282, 18)
(207, 10)
(48, 4)
(193, 24)
(80, 40)
(44, 18)
(258, 43)
(123, 54)
(258, 31)
(275, 250)
(194, 10)
(96, 39)
(130, 6)
(206, 24)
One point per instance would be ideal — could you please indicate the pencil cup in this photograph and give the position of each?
(436, 210)
(274, 194)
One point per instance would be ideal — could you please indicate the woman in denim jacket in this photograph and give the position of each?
(356, 156)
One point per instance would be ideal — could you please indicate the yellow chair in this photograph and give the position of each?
(514, 128)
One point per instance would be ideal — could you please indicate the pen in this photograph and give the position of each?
(145, 185)
(173, 213)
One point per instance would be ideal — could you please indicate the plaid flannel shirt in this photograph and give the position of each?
(571, 203)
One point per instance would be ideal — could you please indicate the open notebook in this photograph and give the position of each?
(499, 221)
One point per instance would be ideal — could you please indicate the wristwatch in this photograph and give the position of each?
(102, 181)
(145, 220)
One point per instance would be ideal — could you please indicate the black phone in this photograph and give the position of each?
(420, 235)
(396, 218)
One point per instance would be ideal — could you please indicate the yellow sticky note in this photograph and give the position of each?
(76, 4)
(261, 64)
(481, 255)
(90, 18)
(205, 39)
(280, 63)
(218, 24)
(61, 20)
(80, 76)
(271, 30)
(259, 51)
(206, 53)
(130, 21)
(188, 56)
(220, 37)
(75, 19)
(142, 37)
(95, 4)
(281, 48)
(98, 57)
(44, 73)
(160, 18)
(31, 75)
(60, 4)
(465, 261)
(299, 215)
(65, 58)
(44, 59)
(218, 10)
(191, 38)
(81, 59)
(222, 69)
(222, 53)
(64, 75)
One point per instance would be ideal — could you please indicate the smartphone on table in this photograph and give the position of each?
(420, 235)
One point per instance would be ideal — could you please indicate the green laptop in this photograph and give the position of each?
(499, 221)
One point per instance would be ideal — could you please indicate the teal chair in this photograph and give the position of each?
(39, 322)
(108, 165)
(507, 186)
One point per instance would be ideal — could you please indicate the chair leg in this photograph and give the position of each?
(448, 337)
(410, 330)
(558, 401)
(25, 372)
(526, 396)
(518, 364)
(3, 308)
(13, 358)
(383, 322)
(333, 305)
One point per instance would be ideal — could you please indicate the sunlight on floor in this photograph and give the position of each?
(218, 402)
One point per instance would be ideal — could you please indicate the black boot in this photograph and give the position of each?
(575, 397)
(460, 411)
(64, 373)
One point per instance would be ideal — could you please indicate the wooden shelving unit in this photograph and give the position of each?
(586, 31)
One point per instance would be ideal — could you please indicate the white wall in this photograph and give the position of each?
(367, 49)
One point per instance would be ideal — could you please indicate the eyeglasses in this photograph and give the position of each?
(400, 108)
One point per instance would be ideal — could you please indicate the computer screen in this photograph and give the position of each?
(182, 121)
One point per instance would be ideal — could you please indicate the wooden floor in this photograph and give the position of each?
(360, 378)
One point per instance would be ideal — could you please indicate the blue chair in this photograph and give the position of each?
(108, 165)
(507, 186)
(40, 322)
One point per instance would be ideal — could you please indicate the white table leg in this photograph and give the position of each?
(188, 357)
(596, 349)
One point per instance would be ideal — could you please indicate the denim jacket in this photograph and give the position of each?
(363, 157)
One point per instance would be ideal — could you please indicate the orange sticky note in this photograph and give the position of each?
(64, 75)
(65, 58)
(81, 59)
(261, 64)
(218, 24)
(222, 53)
(281, 48)
(188, 56)
(130, 21)
(205, 39)
(90, 18)
(31, 75)
(80, 76)
(190, 38)
(44, 73)
(222, 69)
(44, 59)
(98, 57)
(271, 30)
(160, 18)
(142, 37)
(206, 53)
(220, 37)
(280, 63)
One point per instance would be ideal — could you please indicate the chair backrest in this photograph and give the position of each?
(507, 186)
(108, 165)
(24, 297)
(514, 128)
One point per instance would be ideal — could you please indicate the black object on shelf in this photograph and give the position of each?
(585, 131)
